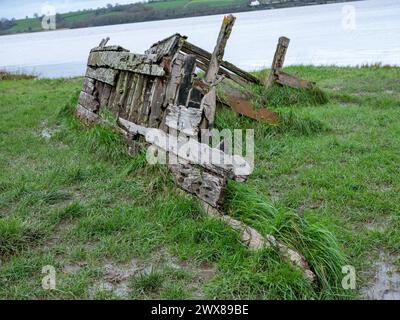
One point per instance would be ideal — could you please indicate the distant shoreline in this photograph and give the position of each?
(151, 11)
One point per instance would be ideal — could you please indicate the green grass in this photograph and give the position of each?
(326, 182)
(26, 25)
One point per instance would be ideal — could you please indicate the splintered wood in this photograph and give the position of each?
(276, 74)
(159, 101)
(157, 96)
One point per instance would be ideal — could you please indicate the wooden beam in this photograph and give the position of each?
(105, 75)
(103, 42)
(277, 62)
(219, 50)
(206, 186)
(126, 61)
(174, 79)
(192, 151)
(166, 47)
(109, 48)
(203, 65)
(186, 84)
(88, 101)
(204, 56)
(255, 241)
(88, 85)
(286, 79)
(209, 101)
(87, 117)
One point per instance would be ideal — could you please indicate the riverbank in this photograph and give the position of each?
(151, 11)
(70, 199)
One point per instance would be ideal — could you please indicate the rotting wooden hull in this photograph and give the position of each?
(157, 96)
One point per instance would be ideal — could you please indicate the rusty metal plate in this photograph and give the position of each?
(244, 107)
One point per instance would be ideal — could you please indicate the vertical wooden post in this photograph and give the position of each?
(209, 101)
(279, 59)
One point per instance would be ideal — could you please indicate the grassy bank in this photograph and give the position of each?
(326, 182)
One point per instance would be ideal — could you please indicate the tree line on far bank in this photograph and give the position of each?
(140, 12)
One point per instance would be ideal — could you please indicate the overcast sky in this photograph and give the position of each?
(22, 8)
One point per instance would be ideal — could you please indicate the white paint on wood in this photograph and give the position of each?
(183, 119)
(215, 160)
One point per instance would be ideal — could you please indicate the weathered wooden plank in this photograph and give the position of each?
(167, 47)
(88, 85)
(111, 101)
(132, 128)
(106, 59)
(204, 56)
(126, 61)
(102, 74)
(103, 42)
(183, 119)
(188, 72)
(157, 99)
(223, 72)
(255, 241)
(137, 93)
(140, 102)
(131, 109)
(292, 81)
(175, 79)
(206, 186)
(209, 101)
(219, 50)
(88, 101)
(127, 88)
(98, 89)
(105, 95)
(192, 151)
(277, 62)
(280, 54)
(146, 103)
(86, 116)
(109, 48)
(120, 93)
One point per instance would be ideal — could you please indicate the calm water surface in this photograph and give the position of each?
(317, 34)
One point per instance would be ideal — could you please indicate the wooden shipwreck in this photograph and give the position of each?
(157, 96)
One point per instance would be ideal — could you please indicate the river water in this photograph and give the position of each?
(352, 33)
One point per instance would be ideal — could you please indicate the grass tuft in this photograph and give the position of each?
(313, 240)
(284, 96)
(148, 282)
(104, 142)
(15, 236)
(263, 275)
